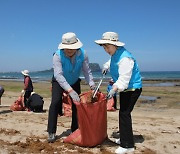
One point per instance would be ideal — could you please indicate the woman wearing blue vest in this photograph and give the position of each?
(125, 73)
(68, 61)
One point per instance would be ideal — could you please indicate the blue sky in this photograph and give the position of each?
(30, 31)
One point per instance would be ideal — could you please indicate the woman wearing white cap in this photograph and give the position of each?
(28, 86)
(68, 61)
(125, 73)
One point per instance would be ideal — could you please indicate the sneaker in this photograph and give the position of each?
(117, 141)
(122, 150)
(51, 137)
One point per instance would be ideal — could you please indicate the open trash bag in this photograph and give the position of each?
(18, 105)
(92, 121)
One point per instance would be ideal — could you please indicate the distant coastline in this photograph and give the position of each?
(161, 78)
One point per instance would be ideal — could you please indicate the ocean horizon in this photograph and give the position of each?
(47, 75)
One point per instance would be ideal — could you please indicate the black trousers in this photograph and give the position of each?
(115, 101)
(38, 108)
(127, 102)
(26, 96)
(56, 106)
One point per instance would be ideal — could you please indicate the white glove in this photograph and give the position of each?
(22, 92)
(93, 87)
(110, 94)
(104, 70)
(74, 96)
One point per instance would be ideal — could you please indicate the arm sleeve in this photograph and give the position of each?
(87, 71)
(125, 72)
(58, 73)
(109, 88)
(107, 64)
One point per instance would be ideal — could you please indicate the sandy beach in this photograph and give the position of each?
(156, 123)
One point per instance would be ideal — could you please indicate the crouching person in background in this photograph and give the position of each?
(35, 102)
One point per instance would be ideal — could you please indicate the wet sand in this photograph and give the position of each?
(156, 123)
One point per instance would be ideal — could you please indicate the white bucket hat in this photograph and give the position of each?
(25, 72)
(70, 41)
(110, 38)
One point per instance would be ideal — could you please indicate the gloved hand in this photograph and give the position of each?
(104, 71)
(93, 87)
(22, 92)
(110, 94)
(74, 96)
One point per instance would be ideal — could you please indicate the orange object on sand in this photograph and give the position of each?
(18, 105)
(67, 105)
(92, 121)
(110, 104)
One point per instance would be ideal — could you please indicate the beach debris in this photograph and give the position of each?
(167, 131)
(178, 130)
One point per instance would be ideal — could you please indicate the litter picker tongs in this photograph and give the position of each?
(97, 87)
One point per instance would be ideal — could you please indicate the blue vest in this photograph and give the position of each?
(135, 81)
(71, 72)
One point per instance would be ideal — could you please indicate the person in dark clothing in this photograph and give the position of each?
(28, 86)
(68, 61)
(1, 93)
(35, 102)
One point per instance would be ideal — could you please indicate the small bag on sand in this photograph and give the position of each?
(92, 121)
(110, 104)
(18, 105)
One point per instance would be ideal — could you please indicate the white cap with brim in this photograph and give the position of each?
(110, 38)
(70, 41)
(25, 72)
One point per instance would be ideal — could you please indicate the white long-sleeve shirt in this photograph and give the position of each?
(125, 72)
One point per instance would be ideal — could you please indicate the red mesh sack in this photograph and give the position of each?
(67, 105)
(92, 121)
(18, 105)
(110, 104)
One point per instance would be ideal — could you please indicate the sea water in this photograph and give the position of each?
(47, 75)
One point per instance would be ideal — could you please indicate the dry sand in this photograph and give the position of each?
(156, 125)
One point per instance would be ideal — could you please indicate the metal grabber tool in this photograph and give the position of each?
(97, 87)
